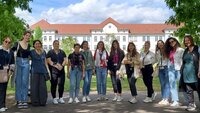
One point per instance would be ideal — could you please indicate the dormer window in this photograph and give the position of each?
(109, 26)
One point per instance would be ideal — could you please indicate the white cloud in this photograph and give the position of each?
(96, 11)
(26, 16)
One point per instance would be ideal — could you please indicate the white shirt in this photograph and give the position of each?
(147, 58)
(160, 60)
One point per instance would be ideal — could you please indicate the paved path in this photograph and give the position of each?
(103, 106)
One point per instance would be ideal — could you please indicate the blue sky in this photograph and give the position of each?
(96, 11)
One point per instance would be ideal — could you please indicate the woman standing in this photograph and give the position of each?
(162, 61)
(39, 72)
(132, 59)
(148, 59)
(114, 64)
(89, 69)
(56, 59)
(75, 72)
(7, 59)
(174, 53)
(22, 69)
(190, 73)
(100, 58)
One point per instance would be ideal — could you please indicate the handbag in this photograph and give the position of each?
(4, 76)
(137, 72)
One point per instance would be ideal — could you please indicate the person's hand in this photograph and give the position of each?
(60, 67)
(199, 74)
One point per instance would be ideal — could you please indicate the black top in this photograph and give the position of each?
(76, 59)
(6, 57)
(56, 58)
(23, 53)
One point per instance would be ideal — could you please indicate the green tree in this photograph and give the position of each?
(108, 41)
(10, 25)
(68, 44)
(37, 35)
(187, 17)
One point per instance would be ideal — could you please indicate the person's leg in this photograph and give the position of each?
(72, 83)
(42, 90)
(89, 81)
(18, 80)
(35, 85)
(85, 83)
(104, 78)
(114, 81)
(61, 84)
(98, 78)
(78, 80)
(161, 75)
(54, 82)
(3, 88)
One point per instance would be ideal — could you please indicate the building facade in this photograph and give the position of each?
(105, 31)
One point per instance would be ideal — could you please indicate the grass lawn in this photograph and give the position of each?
(125, 86)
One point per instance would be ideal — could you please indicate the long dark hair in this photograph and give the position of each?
(112, 50)
(84, 43)
(168, 47)
(98, 45)
(134, 51)
(190, 38)
(162, 51)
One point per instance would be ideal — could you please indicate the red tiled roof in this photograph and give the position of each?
(81, 29)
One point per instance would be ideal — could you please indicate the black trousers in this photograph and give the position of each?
(190, 87)
(132, 80)
(3, 88)
(148, 79)
(38, 90)
(116, 82)
(59, 81)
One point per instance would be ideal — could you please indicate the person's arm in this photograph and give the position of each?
(68, 67)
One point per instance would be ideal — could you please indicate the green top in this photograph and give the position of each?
(89, 60)
(189, 69)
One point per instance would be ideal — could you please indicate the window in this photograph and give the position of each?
(101, 38)
(50, 46)
(124, 47)
(160, 37)
(109, 26)
(143, 38)
(84, 38)
(118, 38)
(156, 38)
(88, 39)
(45, 38)
(135, 39)
(45, 47)
(130, 39)
(124, 38)
(95, 38)
(95, 46)
(50, 38)
(148, 38)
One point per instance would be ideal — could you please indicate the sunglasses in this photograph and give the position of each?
(8, 42)
(171, 42)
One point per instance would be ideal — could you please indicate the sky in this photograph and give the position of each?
(96, 11)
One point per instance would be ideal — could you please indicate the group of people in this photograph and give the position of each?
(174, 64)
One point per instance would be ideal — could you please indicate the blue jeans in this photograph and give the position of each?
(75, 79)
(174, 76)
(164, 82)
(101, 74)
(22, 79)
(87, 82)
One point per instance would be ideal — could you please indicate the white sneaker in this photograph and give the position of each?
(61, 100)
(70, 101)
(115, 98)
(191, 107)
(154, 96)
(161, 102)
(2, 109)
(175, 104)
(55, 101)
(147, 100)
(84, 99)
(164, 102)
(133, 100)
(119, 99)
(76, 100)
(88, 98)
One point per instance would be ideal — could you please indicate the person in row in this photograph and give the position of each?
(131, 60)
(75, 72)
(114, 64)
(190, 73)
(147, 60)
(22, 49)
(57, 60)
(39, 72)
(162, 61)
(100, 59)
(174, 53)
(7, 60)
(89, 70)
